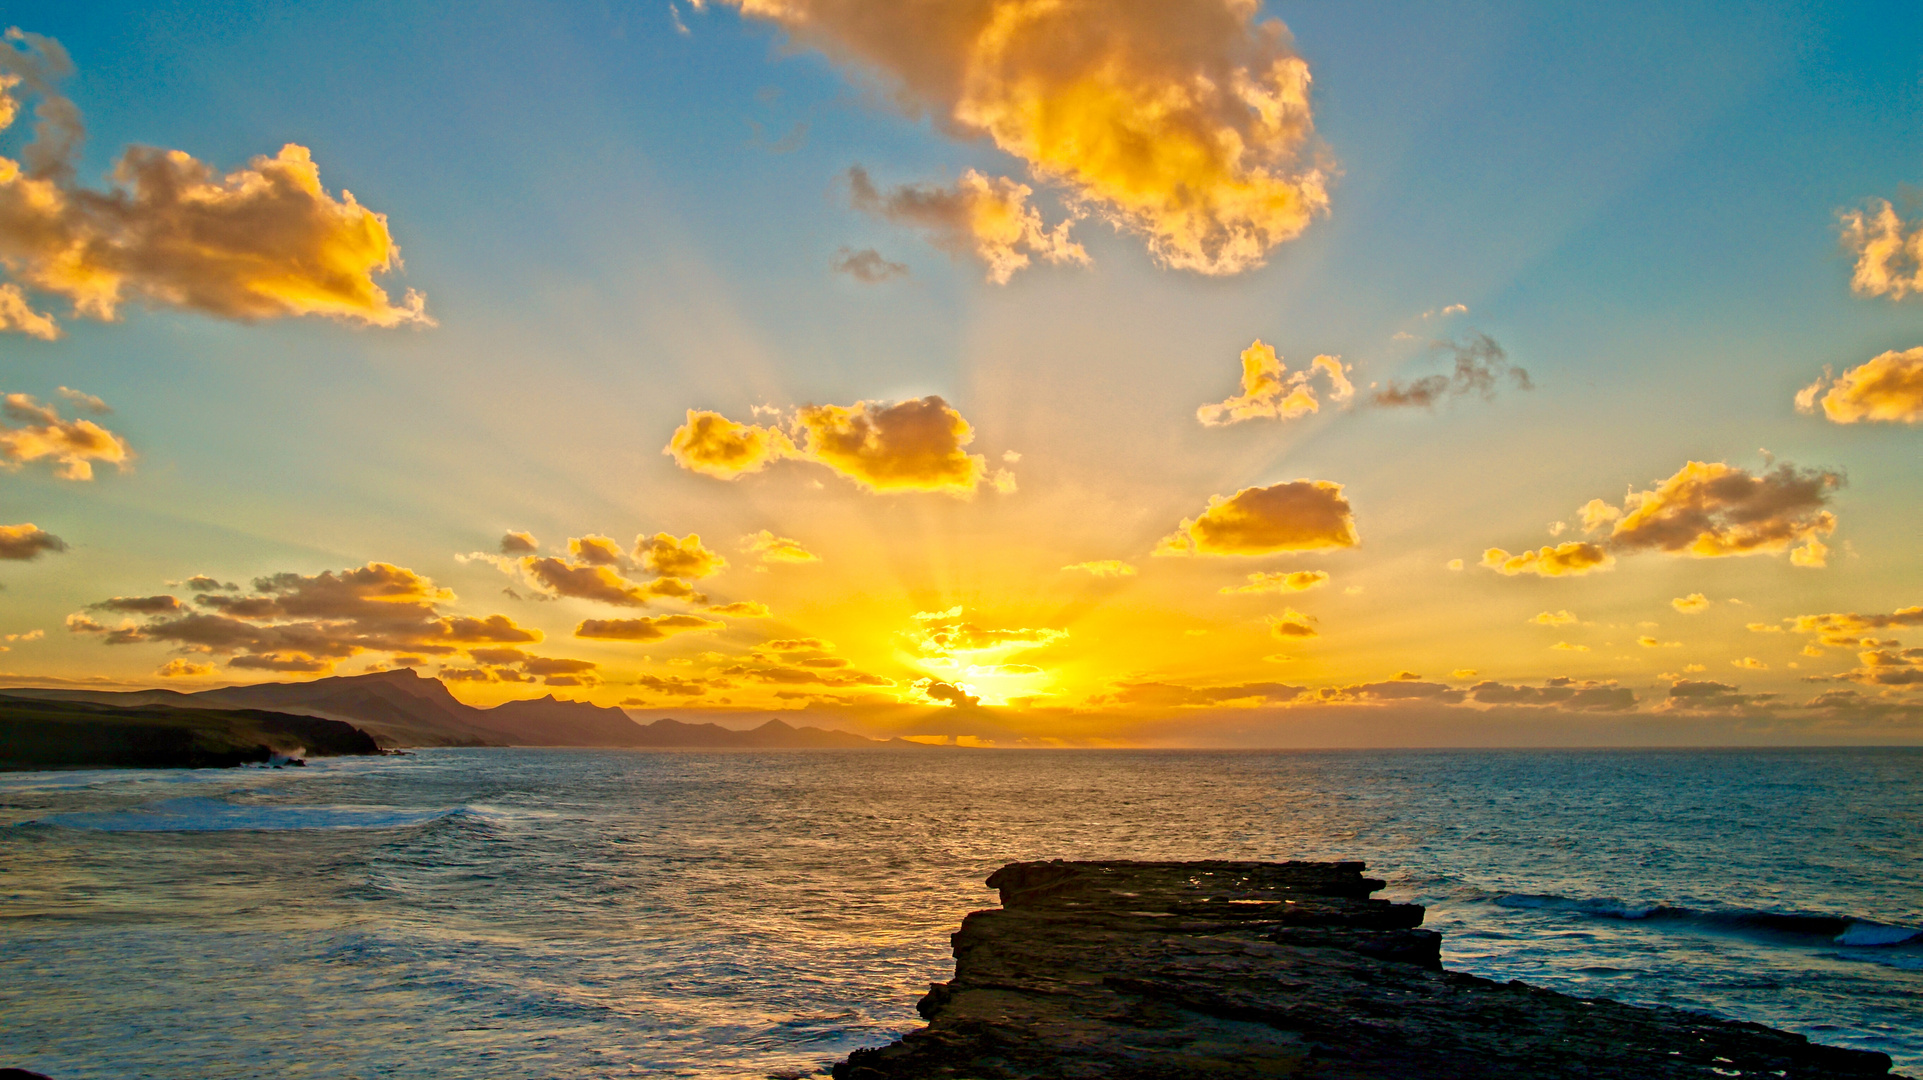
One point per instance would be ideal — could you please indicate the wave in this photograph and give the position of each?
(218, 815)
(1831, 929)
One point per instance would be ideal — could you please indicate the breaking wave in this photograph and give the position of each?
(1796, 927)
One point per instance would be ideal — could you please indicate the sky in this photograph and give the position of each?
(1143, 372)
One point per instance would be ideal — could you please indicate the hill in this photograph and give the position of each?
(39, 734)
(404, 708)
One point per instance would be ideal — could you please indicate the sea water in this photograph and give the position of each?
(569, 913)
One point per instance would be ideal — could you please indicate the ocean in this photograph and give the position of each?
(586, 913)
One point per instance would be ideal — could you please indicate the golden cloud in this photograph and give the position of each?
(1572, 559)
(261, 242)
(647, 628)
(1843, 629)
(183, 669)
(586, 581)
(1553, 618)
(1269, 390)
(1104, 568)
(1693, 604)
(769, 548)
(1184, 121)
(1648, 642)
(1292, 625)
(985, 216)
(72, 445)
(743, 609)
(1144, 693)
(711, 444)
(914, 445)
(680, 557)
(27, 541)
(949, 639)
(1889, 251)
(1301, 515)
(1711, 510)
(1887, 389)
(519, 543)
(1279, 582)
(305, 623)
(17, 314)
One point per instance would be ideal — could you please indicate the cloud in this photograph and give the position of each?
(769, 548)
(867, 266)
(84, 401)
(1479, 363)
(1292, 625)
(139, 605)
(647, 628)
(914, 445)
(1564, 646)
(1268, 390)
(954, 638)
(1151, 694)
(1887, 389)
(1300, 515)
(1889, 251)
(515, 665)
(954, 695)
(1186, 122)
(908, 446)
(711, 444)
(1750, 663)
(1104, 568)
(519, 543)
(1840, 629)
(1571, 559)
(682, 557)
(1888, 665)
(183, 669)
(1553, 618)
(1712, 510)
(1279, 581)
(261, 242)
(1702, 695)
(802, 674)
(27, 541)
(1648, 642)
(307, 622)
(585, 581)
(985, 216)
(1558, 693)
(73, 445)
(18, 315)
(743, 609)
(1693, 604)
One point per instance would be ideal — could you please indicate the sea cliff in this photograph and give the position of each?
(1174, 970)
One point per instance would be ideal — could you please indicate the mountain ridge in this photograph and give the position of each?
(405, 708)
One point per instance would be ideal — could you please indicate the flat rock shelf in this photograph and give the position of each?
(1172, 970)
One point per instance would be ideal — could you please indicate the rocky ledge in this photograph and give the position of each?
(1170, 970)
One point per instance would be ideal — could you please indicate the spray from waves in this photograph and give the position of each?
(1792, 927)
(219, 815)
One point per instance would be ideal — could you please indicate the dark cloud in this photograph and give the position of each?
(1480, 364)
(1560, 692)
(27, 541)
(649, 628)
(867, 266)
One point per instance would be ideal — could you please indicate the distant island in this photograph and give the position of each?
(405, 709)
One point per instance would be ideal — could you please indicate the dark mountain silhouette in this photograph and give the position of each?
(404, 708)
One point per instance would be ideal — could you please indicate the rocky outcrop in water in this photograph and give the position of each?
(1169, 971)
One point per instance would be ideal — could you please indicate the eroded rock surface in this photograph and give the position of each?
(1127, 970)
